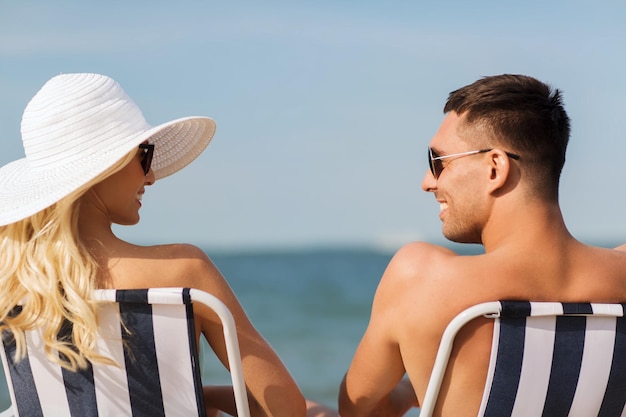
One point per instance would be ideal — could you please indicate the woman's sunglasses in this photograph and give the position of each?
(436, 166)
(146, 159)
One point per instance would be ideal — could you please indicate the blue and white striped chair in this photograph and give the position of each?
(155, 344)
(548, 359)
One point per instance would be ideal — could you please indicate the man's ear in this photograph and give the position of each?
(500, 171)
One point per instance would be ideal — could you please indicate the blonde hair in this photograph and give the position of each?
(47, 278)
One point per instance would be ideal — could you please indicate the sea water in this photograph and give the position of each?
(312, 306)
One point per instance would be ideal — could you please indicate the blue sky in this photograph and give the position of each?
(324, 109)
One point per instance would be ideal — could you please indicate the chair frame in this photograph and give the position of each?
(494, 310)
(490, 310)
(229, 332)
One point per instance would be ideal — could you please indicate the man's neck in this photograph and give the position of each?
(535, 224)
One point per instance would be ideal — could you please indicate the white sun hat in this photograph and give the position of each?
(75, 128)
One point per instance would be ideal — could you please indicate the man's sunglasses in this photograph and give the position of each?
(436, 166)
(146, 159)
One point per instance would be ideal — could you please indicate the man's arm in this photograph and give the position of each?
(400, 400)
(373, 384)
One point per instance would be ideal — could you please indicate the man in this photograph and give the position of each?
(495, 165)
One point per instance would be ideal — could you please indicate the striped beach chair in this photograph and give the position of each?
(150, 333)
(547, 359)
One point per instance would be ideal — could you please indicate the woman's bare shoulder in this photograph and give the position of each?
(176, 265)
(172, 251)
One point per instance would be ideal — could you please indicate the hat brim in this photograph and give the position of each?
(25, 191)
(178, 143)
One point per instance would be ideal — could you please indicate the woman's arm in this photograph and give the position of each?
(272, 391)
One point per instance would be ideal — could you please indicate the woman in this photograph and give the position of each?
(89, 157)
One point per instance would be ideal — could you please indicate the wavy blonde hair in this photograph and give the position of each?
(48, 272)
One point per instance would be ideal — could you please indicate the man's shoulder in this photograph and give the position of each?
(427, 259)
(419, 248)
(421, 267)
(424, 273)
(425, 286)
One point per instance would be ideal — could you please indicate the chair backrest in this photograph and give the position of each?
(547, 359)
(150, 333)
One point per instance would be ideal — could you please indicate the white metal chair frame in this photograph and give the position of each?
(491, 309)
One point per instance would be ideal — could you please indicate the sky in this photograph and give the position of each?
(324, 109)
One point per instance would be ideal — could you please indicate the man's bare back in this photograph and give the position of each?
(418, 304)
(502, 192)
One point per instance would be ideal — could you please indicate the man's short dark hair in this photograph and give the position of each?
(523, 115)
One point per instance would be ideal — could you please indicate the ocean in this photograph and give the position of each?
(312, 306)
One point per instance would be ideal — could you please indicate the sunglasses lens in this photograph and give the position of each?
(435, 164)
(146, 160)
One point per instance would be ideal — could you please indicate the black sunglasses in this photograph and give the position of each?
(146, 159)
(436, 166)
